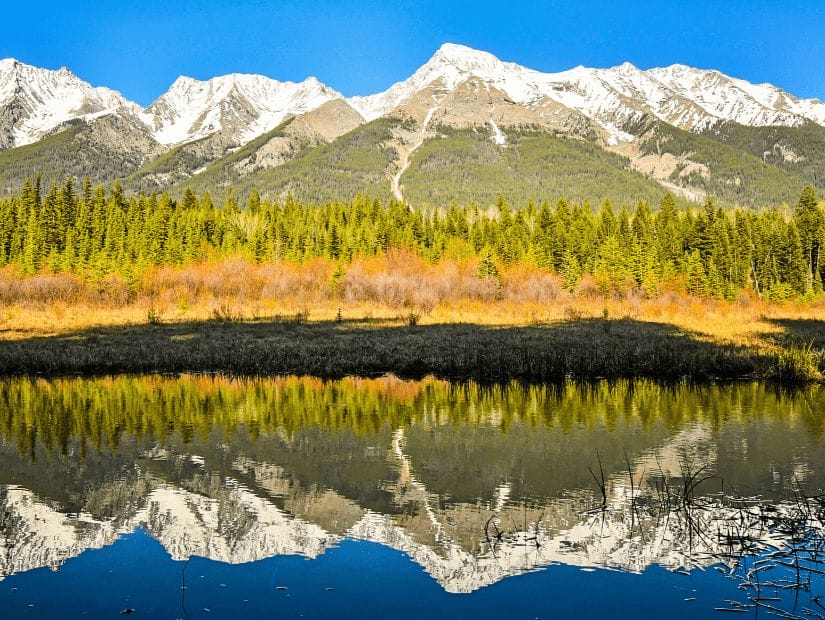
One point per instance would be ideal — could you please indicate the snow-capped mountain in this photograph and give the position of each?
(35, 101)
(756, 105)
(633, 113)
(241, 104)
(689, 98)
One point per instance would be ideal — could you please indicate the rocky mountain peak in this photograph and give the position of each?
(244, 105)
(35, 101)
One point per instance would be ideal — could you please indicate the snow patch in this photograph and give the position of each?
(46, 99)
(690, 98)
(247, 105)
(498, 136)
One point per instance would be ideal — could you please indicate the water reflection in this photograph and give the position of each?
(474, 484)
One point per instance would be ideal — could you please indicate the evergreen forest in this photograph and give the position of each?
(707, 251)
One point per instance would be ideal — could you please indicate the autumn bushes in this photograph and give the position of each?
(399, 280)
(396, 280)
(237, 281)
(397, 285)
(47, 289)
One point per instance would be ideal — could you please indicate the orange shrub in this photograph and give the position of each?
(46, 289)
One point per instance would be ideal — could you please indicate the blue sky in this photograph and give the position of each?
(363, 47)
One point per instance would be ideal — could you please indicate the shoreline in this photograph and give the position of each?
(584, 350)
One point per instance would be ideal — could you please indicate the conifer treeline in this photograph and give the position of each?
(708, 251)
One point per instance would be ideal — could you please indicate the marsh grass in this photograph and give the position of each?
(225, 313)
(397, 313)
(769, 547)
(796, 363)
(299, 318)
(578, 350)
(411, 317)
(229, 339)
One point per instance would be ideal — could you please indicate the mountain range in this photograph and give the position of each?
(465, 126)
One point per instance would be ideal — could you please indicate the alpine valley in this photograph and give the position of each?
(465, 127)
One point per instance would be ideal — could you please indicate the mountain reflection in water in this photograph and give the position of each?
(473, 483)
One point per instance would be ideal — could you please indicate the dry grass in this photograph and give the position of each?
(716, 321)
(392, 291)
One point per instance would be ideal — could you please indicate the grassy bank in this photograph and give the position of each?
(583, 349)
(396, 314)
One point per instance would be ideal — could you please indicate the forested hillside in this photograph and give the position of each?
(110, 148)
(464, 165)
(357, 162)
(737, 165)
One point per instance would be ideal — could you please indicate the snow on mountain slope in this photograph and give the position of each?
(35, 101)
(689, 98)
(243, 105)
(451, 65)
(738, 100)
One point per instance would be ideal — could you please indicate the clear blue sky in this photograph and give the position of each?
(139, 48)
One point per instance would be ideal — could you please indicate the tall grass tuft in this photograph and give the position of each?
(226, 314)
(796, 363)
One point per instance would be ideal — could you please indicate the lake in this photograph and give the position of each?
(208, 496)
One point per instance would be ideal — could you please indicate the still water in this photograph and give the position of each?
(203, 496)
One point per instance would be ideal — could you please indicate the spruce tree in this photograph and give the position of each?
(487, 268)
(811, 226)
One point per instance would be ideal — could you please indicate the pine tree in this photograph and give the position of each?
(811, 226)
(33, 245)
(794, 269)
(571, 271)
(697, 279)
(607, 222)
(333, 242)
(612, 268)
(190, 200)
(253, 203)
(487, 268)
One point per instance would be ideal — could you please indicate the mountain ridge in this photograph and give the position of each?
(716, 96)
(196, 126)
